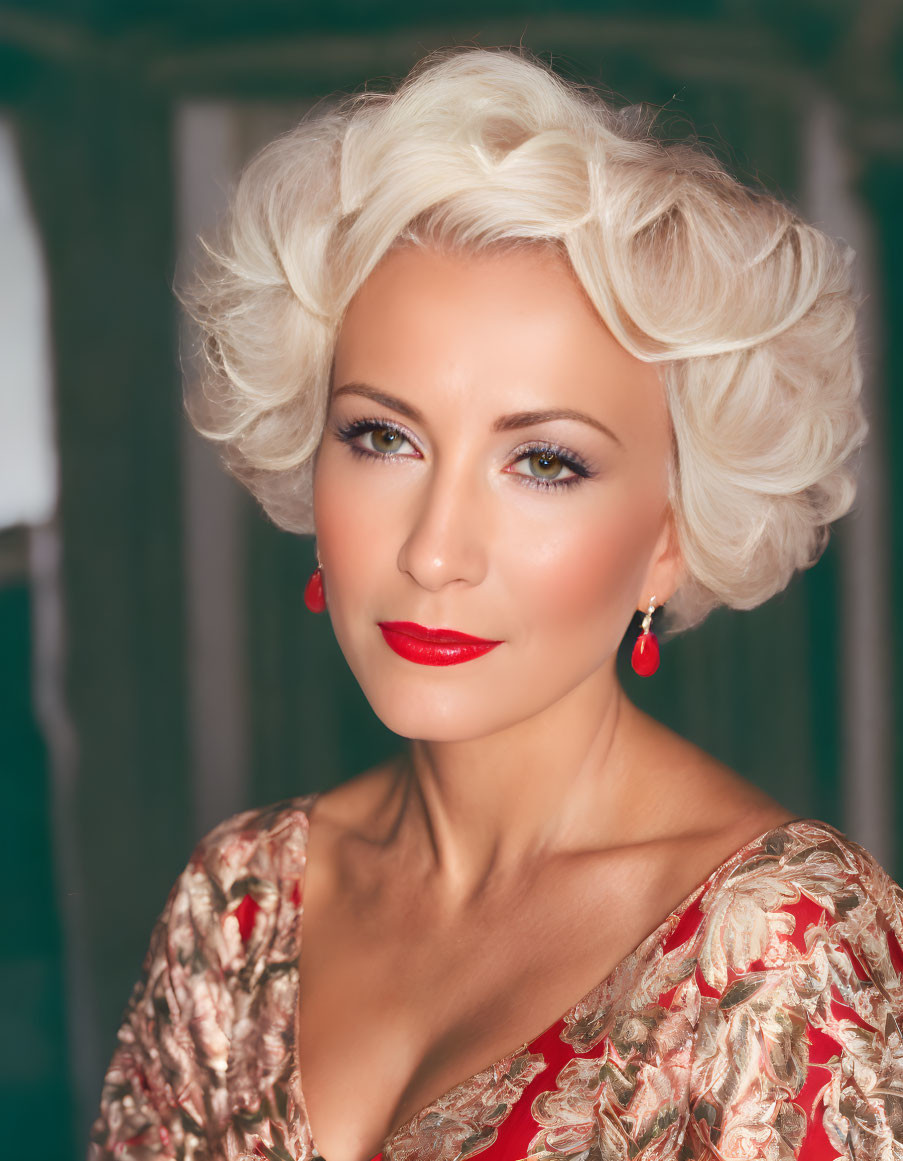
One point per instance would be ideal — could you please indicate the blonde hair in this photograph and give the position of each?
(746, 308)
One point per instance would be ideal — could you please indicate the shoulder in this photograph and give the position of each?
(243, 878)
(239, 891)
(800, 977)
(801, 886)
(261, 841)
(234, 909)
(225, 940)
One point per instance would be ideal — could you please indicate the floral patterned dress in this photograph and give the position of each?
(760, 1020)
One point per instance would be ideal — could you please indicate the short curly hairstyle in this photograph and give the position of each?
(747, 309)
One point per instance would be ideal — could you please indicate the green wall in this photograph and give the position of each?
(93, 90)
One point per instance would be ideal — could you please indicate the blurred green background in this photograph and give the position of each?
(158, 670)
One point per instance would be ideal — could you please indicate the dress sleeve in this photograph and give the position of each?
(798, 1051)
(159, 1098)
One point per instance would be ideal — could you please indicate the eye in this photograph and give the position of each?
(375, 438)
(548, 466)
(545, 465)
(385, 440)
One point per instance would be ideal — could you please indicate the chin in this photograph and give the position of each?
(414, 710)
(459, 703)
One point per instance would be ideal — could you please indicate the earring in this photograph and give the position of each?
(644, 658)
(314, 597)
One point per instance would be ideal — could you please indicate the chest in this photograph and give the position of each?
(398, 1002)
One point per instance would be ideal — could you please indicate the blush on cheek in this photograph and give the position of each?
(338, 526)
(358, 544)
(594, 579)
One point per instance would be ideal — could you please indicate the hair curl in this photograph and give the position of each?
(747, 309)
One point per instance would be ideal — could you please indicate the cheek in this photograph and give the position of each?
(345, 524)
(585, 573)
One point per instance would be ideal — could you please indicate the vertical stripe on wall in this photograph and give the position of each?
(867, 782)
(213, 510)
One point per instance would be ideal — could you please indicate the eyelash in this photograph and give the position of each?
(350, 432)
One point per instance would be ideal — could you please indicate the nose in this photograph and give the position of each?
(448, 531)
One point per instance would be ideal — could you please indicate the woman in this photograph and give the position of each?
(523, 370)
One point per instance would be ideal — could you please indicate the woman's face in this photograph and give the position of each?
(496, 464)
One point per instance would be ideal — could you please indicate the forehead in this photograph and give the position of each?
(505, 327)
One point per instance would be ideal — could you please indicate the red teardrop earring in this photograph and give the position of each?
(644, 658)
(314, 597)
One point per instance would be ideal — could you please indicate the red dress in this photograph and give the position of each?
(758, 1021)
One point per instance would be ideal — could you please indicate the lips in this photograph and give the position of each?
(433, 646)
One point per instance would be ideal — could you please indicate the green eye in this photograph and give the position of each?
(377, 439)
(545, 465)
(386, 439)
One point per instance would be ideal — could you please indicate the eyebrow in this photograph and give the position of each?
(504, 423)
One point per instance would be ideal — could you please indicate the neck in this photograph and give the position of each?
(485, 808)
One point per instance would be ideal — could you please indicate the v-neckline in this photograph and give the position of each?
(658, 935)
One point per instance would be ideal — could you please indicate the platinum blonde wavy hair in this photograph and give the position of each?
(746, 308)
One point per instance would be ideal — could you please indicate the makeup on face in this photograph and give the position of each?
(493, 472)
(433, 646)
(546, 464)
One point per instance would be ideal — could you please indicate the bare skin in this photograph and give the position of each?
(460, 900)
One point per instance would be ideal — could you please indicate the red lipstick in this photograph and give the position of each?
(433, 646)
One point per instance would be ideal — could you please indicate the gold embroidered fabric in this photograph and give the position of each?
(759, 1022)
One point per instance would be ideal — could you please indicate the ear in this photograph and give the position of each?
(667, 569)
